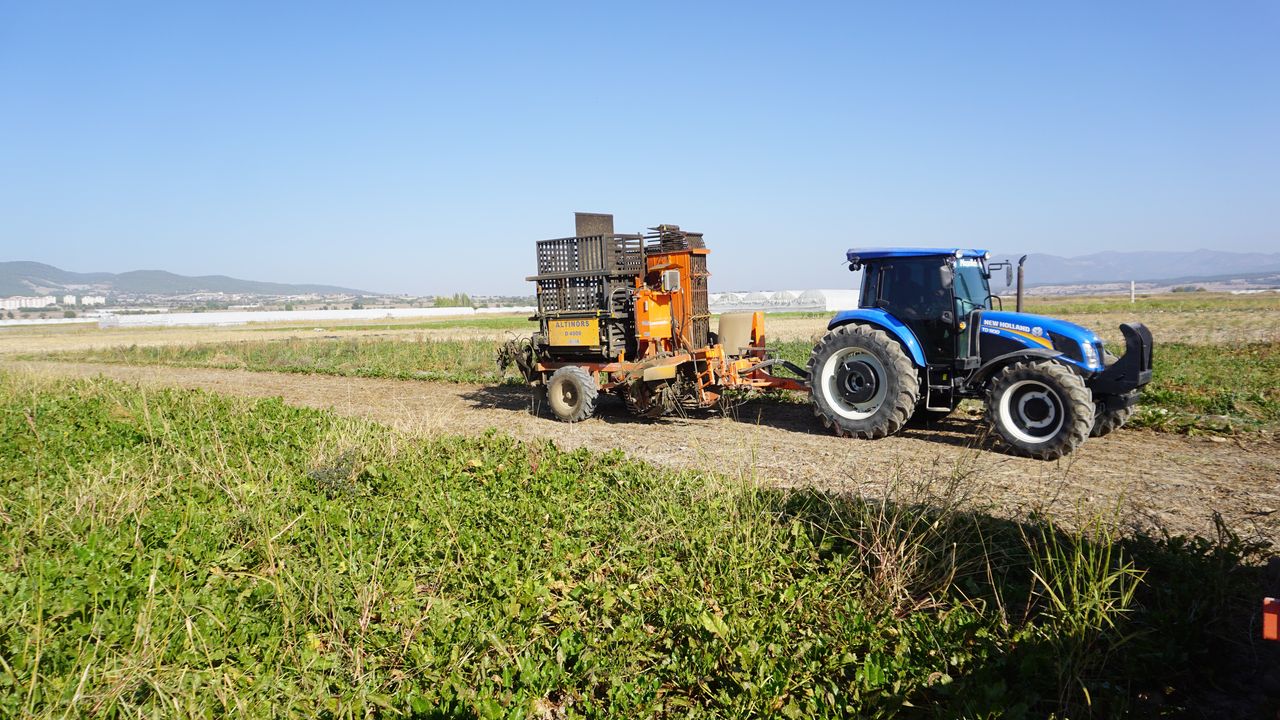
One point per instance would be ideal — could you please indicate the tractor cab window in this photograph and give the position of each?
(972, 288)
(911, 288)
(870, 287)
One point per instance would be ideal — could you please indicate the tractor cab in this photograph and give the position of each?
(933, 291)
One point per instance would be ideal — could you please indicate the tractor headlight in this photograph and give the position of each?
(1090, 354)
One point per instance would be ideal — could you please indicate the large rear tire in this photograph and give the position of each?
(862, 383)
(572, 394)
(1041, 409)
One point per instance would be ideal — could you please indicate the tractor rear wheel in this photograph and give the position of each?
(1041, 409)
(862, 383)
(572, 394)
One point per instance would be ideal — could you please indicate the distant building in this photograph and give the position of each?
(15, 303)
(93, 300)
(68, 299)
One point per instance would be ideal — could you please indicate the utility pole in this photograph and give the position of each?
(1133, 298)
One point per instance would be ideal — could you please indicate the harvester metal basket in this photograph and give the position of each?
(580, 274)
(590, 277)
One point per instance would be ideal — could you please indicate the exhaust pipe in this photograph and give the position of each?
(1022, 260)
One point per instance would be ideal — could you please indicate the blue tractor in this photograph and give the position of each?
(928, 333)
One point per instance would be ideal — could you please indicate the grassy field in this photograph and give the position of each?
(1173, 303)
(1196, 387)
(185, 554)
(471, 361)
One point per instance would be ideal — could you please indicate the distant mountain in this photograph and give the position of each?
(33, 278)
(1111, 266)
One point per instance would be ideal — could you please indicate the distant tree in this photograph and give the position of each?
(69, 313)
(457, 300)
(288, 307)
(10, 314)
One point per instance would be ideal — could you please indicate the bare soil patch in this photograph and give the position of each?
(1153, 480)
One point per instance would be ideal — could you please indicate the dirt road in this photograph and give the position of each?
(1150, 479)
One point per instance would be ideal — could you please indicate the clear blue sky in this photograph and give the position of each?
(423, 147)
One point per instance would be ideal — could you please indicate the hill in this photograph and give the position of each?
(1113, 266)
(33, 278)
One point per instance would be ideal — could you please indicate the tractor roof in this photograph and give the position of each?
(866, 254)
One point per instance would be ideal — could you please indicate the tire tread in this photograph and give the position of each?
(587, 388)
(1078, 397)
(902, 404)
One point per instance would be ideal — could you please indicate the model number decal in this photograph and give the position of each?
(578, 331)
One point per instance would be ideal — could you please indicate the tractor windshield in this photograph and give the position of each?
(971, 287)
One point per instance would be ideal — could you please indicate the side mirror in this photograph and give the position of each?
(946, 275)
(948, 317)
(1008, 274)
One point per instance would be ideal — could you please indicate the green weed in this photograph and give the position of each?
(181, 553)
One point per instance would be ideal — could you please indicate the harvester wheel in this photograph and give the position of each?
(1041, 409)
(643, 401)
(572, 394)
(862, 382)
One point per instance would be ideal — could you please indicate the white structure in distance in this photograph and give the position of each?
(42, 301)
(239, 317)
(766, 300)
(784, 300)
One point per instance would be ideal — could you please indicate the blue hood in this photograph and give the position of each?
(1046, 324)
(1047, 332)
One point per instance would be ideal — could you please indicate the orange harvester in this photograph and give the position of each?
(629, 315)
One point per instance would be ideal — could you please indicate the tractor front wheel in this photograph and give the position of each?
(1041, 409)
(1105, 421)
(862, 382)
(572, 394)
